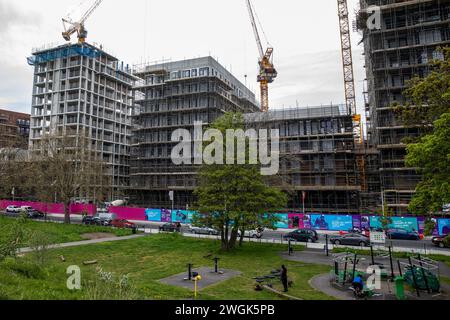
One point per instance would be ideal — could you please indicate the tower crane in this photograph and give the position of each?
(267, 72)
(347, 62)
(349, 81)
(78, 26)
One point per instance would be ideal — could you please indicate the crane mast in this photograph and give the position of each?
(267, 72)
(349, 82)
(78, 26)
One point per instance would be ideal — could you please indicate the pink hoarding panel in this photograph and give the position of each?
(56, 208)
(129, 213)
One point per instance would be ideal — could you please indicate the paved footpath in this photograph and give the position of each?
(84, 243)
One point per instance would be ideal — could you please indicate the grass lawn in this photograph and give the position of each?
(149, 259)
(58, 233)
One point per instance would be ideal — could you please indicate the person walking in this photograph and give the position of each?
(284, 277)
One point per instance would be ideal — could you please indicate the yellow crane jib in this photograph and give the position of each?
(267, 71)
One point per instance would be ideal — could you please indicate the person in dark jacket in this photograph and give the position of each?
(284, 277)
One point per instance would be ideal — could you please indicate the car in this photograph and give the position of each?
(169, 227)
(402, 234)
(439, 241)
(351, 239)
(255, 234)
(92, 220)
(122, 224)
(203, 230)
(13, 209)
(303, 235)
(34, 214)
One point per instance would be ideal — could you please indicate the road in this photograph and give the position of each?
(275, 235)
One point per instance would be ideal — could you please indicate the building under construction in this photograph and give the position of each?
(171, 96)
(318, 158)
(410, 34)
(318, 167)
(81, 89)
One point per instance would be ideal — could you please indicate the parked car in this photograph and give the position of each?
(169, 227)
(439, 241)
(351, 239)
(402, 234)
(303, 235)
(92, 220)
(122, 224)
(203, 230)
(34, 214)
(255, 234)
(13, 209)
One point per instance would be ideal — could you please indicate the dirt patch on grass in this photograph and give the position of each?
(98, 235)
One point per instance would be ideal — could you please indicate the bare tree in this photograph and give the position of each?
(15, 169)
(68, 167)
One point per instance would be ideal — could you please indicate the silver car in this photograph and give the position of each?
(203, 230)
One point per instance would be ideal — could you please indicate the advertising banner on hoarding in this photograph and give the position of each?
(153, 215)
(365, 222)
(331, 222)
(298, 221)
(166, 215)
(183, 216)
(283, 222)
(405, 223)
(444, 226)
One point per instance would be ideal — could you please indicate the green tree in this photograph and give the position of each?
(432, 155)
(233, 198)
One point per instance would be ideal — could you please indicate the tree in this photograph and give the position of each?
(429, 110)
(67, 167)
(233, 198)
(15, 170)
(428, 97)
(432, 155)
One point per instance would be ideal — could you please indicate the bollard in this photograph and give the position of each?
(216, 264)
(392, 264)
(399, 268)
(371, 254)
(326, 245)
(190, 265)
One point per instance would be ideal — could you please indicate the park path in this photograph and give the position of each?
(84, 243)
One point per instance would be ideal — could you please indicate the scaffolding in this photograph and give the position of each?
(170, 96)
(409, 39)
(317, 157)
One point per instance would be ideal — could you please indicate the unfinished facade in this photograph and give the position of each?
(317, 157)
(80, 89)
(411, 32)
(171, 96)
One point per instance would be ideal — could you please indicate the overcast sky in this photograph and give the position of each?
(305, 36)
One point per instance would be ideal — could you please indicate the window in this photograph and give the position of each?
(204, 72)
(194, 72)
(186, 73)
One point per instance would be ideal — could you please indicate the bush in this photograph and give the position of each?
(12, 238)
(105, 286)
(39, 242)
(430, 226)
(447, 241)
